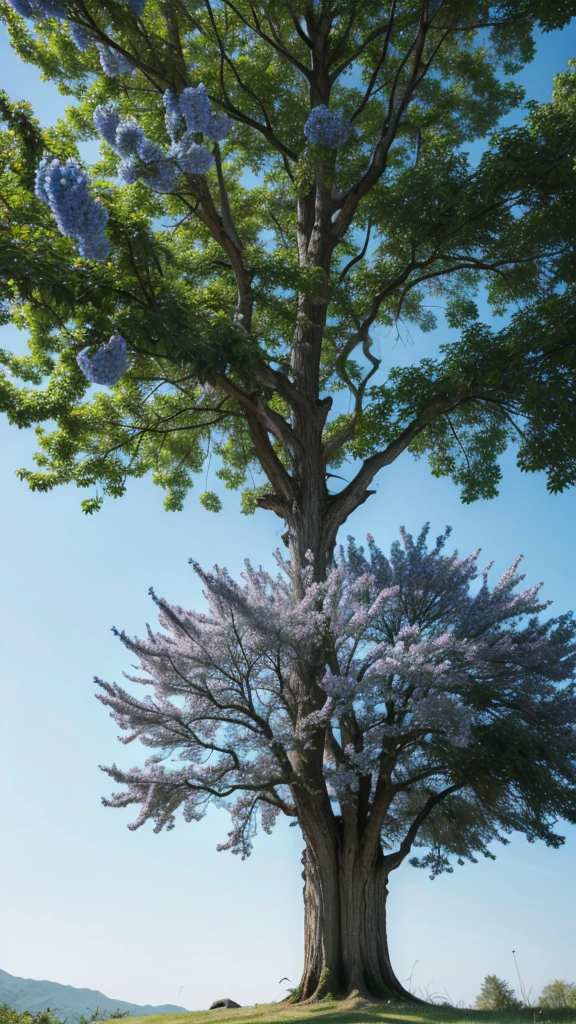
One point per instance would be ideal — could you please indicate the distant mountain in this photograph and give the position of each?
(27, 994)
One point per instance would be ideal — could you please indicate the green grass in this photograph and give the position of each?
(360, 1011)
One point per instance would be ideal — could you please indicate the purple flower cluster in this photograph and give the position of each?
(417, 664)
(149, 151)
(106, 121)
(196, 111)
(142, 158)
(129, 138)
(108, 364)
(218, 127)
(323, 128)
(161, 176)
(173, 114)
(128, 172)
(195, 108)
(78, 214)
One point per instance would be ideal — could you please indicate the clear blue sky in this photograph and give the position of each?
(87, 903)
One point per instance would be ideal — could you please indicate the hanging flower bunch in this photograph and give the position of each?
(187, 117)
(108, 364)
(78, 214)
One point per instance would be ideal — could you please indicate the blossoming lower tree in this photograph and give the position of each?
(278, 181)
(432, 718)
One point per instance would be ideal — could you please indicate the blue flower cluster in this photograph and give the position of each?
(192, 159)
(173, 114)
(129, 138)
(323, 128)
(108, 364)
(161, 176)
(81, 37)
(194, 106)
(37, 9)
(150, 151)
(197, 113)
(146, 160)
(112, 62)
(106, 121)
(141, 158)
(78, 214)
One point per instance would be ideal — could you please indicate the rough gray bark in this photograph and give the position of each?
(345, 940)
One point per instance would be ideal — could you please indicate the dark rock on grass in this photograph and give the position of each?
(228, 1003)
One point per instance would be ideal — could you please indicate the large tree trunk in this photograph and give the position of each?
(345, 873)
(345, 943)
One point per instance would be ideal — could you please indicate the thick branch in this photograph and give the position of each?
(261, 419)
(419, 777)
(352, 496)
(376, 33)
(393, 860)
(359, 256)
(207, 213)
(227, 220)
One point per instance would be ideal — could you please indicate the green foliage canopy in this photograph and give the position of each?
(248, 295)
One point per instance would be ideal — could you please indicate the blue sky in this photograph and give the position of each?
(166, 918)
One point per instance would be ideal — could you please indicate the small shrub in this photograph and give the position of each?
(496, 994)
(99, 1015)
(558, 995)
(48, 1016)
(10, 1016)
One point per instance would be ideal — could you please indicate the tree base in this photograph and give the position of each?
(326, 991)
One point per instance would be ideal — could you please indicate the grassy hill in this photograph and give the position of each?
(362, 1011)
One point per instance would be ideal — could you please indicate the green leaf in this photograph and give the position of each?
(210, 501)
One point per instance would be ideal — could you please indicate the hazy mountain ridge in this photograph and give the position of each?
(29, 994)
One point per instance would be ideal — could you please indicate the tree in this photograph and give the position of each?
(247, 312)
(496, 994)
(236, 321)
(558, 995)
(442, 719)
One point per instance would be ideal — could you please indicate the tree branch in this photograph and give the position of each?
(355, 494)
(383, 29)
(261, 419)
(265, 130)
(268, 39)
(359, 256)
(393, 860)
(349, 202)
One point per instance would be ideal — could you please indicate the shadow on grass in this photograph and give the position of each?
(362, 1011)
